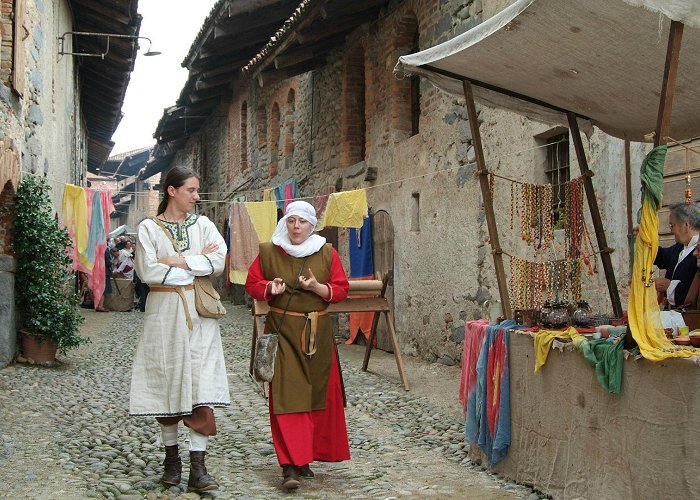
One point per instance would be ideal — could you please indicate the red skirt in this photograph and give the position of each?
(301, 438)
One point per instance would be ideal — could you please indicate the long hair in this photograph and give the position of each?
(175, 177)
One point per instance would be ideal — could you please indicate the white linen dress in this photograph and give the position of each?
(177, 369)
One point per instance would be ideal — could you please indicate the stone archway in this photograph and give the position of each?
(383, 246)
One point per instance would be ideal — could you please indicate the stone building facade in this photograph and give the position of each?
(351, 123)
(46, 127)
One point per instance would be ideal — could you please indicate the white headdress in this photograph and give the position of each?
(310, 245)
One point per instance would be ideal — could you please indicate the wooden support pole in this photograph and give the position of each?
(668, 87)
(488, 200)
(605, 251)
(628, 192)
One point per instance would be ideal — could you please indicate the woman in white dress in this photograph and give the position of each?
(179, 371)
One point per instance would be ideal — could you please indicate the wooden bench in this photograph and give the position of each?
(364, 296)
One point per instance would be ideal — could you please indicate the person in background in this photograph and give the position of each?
(678, 260)
(179, 371)
(298, 272)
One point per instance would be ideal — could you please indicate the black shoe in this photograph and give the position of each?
(306, 472)
(291, 477)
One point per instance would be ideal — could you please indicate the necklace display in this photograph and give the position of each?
(532, 282)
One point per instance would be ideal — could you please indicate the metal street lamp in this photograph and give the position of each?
(62, 39)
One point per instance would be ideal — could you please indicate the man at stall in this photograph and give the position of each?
(678, 260)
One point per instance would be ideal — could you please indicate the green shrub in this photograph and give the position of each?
(44, 282)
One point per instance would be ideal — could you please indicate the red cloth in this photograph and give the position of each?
(301, 438)
(474, 333)
(98, 275)
(256, 284)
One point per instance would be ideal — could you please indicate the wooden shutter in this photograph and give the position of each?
(383, 247)
(20, 34)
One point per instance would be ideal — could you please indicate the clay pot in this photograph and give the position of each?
(38, 347)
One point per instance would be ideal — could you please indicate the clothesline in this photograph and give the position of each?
(388, 183)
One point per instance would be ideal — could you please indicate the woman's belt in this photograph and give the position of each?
(312, 319)
(171, 288)
(180, 291)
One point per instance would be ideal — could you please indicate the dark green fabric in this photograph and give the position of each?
(652, 175)
(607, 358)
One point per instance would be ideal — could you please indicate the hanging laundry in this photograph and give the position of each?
(345, 209)
(285, 193)
(251, 223)
(321, 200)
(227, 239)
(269, 195)
(493, 375)
(361, 267)
(97, 232)
(474, 334)
(98, 276)
(74, 213)
(488, 396)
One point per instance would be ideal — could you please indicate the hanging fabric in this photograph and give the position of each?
(643, 310)
(345, 209)
(74, 214)
(361, 268)
(251, 223)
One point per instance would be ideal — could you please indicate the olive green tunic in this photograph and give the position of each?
(300, 381)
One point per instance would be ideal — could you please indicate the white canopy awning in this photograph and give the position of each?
(601, 59)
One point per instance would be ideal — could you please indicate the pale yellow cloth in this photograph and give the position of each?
(544, 339)
(74, 210)
(345, 209)
(269, 195)
(250, 223)
(643, 310)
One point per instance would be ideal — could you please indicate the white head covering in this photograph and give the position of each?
(310, 245)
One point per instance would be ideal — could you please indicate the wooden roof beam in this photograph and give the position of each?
(272, 76)
(330, 28)
(307, 52)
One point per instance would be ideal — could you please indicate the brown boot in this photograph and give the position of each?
(173, 466)
(306, 472)
(199, 479)
(290, 475)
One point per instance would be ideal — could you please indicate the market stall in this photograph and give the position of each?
(629, 67)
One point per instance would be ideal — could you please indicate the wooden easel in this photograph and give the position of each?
(372, 299)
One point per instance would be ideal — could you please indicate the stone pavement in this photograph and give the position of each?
(65, 432)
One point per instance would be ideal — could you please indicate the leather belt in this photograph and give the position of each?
(180, 291)
(171, 288)
(312, 321)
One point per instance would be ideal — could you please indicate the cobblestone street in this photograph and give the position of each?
(66, 432)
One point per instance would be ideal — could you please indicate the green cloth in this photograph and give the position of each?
(652, 175)
(607, 358)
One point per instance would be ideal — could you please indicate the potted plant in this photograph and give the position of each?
(44, 289)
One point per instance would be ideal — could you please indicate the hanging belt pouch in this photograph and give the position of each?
(266, 344)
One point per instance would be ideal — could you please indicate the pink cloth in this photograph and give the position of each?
(474, 333)
(97, 277)
(288, 194)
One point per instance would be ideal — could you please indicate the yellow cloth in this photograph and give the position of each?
(269, 195)
(251, 223)
(263, 215)
(544, 339)
(643, 309)
(345, 209)
(74, 210)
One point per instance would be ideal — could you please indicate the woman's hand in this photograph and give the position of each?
(277, 286)
(313, 285)
(662, 284)
(210, 248)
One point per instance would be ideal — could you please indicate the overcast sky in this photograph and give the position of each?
(156, 81)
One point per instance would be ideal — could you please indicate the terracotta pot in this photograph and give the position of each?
(38, 347)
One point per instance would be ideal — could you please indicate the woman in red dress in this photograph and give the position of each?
(299, 274)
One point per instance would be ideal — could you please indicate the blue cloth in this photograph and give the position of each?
(279, 192)
(97, 228)
(361, 258)
(488, 417)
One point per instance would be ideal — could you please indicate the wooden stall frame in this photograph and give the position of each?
(377, 304)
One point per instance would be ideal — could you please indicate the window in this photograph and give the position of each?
(274, 139)
(354, 126)
(415, 92)
(557, 171)
(244, 136)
